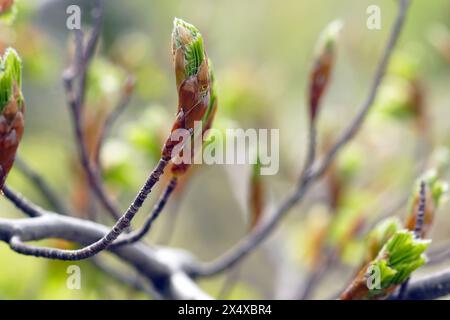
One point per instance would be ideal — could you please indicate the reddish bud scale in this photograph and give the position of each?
(194, 85)
(11, 131)
(5, 5)
(192, 106)
(320, 76)
(417, 101)
(179, 169)
(256, 200)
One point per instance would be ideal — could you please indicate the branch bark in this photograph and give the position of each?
(137, 235)
(261, 232)
(163, 267)
(17, 241)
(430, 287)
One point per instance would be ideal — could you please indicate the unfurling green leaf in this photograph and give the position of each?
(11, 110)
(398, 258)
(402, 254)
(10, 78)
(187, 49)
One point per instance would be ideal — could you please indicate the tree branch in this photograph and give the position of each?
(161, 266)
(430, 287)
(75, 100)
(114, 115)
(135, 281)
(139, 234)
(263, 230)
(39, 182)
(30, 209)
(17, 242)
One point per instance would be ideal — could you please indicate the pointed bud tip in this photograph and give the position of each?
(187, 49)
(10, 76)
(330, 34)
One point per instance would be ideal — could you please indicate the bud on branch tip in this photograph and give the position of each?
(187, 49)
(11, 110)
(197, 99)
(322, 65)
(402, 254)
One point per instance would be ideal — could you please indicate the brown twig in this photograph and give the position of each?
(17, 244)
(75, 100)
(137, 235)
(114, 115)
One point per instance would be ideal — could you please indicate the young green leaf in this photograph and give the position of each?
(11, 110)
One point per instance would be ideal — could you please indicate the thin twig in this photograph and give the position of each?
(163, 267)
(355, 125)
(312, 146)
(231, 279)
(261, 232)
(17, 243)
(420, 215)
(139, 234)
(89, 50)
(168, 230)
(134, 281)
(330, 257)
(27, 207)
(75, 100)
(113, 116)
(439, 254)
(41, 184)
(93, 175)
(420, 210)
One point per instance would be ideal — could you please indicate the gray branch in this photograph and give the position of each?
(163, 267)
(247, 245)
(430, 287)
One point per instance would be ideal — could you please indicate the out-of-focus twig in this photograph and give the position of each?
(430, 287)
(169, 228)
(137, 235)
(231, 279)
(439, 254)
(417, 231)
(329, 259)
(162, 267)
(135, 281)
(44, 188)
(75, 99)
(261, 232)
(27, 207)
(114, 115)
(17, 243)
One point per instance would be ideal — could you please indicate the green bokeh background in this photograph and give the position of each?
(262, 52)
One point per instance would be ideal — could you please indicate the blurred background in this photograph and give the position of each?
(262, 52)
